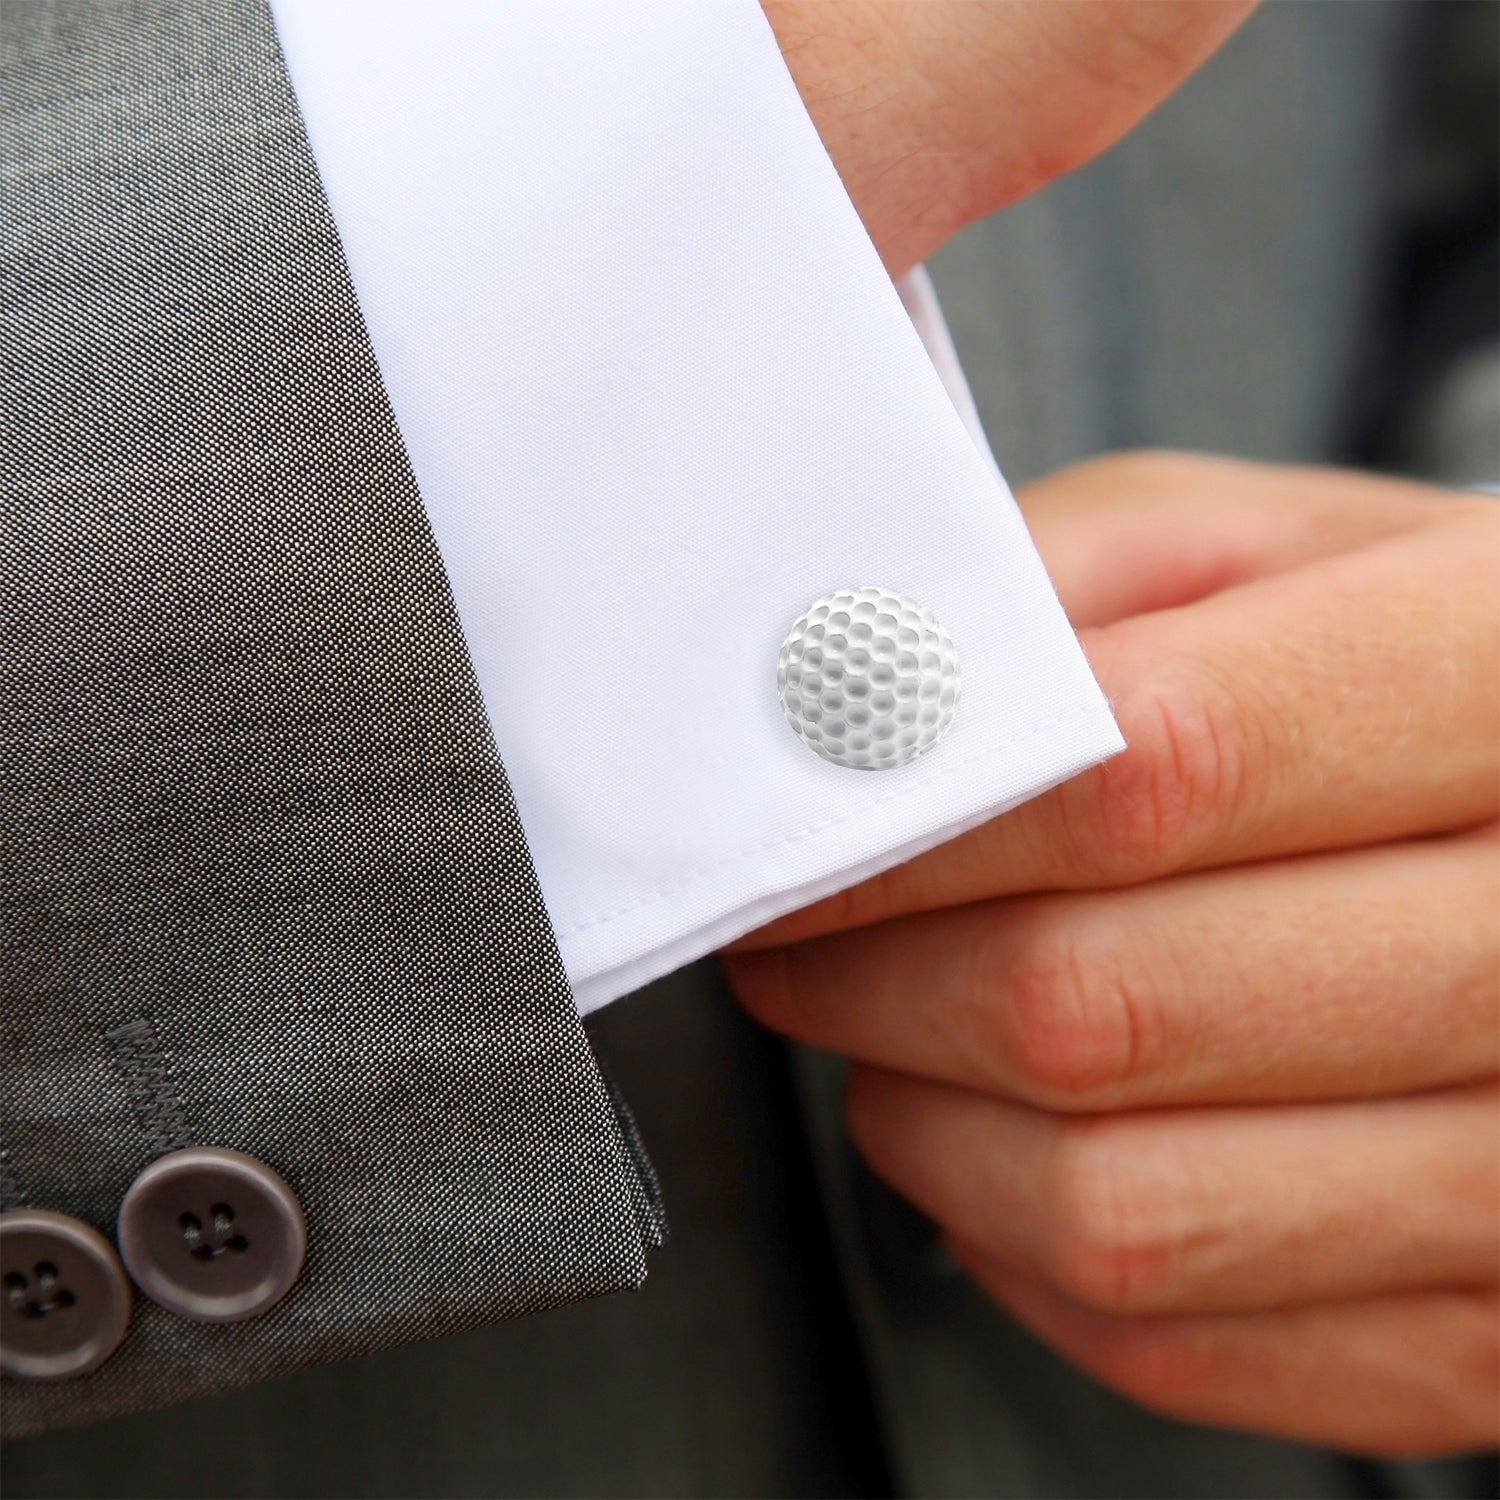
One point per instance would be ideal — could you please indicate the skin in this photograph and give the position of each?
(937, 112)
(1195, 1060)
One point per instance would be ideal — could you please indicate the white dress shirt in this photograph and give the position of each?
(659, 394)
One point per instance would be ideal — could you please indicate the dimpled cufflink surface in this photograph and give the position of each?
(868, 679)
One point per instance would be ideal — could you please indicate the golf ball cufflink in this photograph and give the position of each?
(868, 679)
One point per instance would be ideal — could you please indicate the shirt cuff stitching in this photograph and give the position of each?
(796, 835)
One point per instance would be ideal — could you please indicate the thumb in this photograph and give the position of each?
(937, 112)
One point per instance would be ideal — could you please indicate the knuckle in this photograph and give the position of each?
(1108, 1247)
(1184, 780)
(1073, 1026)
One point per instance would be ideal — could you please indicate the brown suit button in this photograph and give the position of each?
(67, 1302)
(212, 1235)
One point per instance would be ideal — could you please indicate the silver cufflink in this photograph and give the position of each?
(868, 679)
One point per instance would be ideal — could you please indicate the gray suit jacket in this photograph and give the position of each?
(263, 884)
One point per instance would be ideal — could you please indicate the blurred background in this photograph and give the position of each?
(1296, 258)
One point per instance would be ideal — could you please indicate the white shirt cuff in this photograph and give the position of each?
(659, 394)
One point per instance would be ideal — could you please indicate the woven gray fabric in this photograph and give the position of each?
(262, 883)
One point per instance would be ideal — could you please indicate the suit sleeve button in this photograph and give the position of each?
(66, 1300)
(212, 1235)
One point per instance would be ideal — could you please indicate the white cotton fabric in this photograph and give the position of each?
(659, 394)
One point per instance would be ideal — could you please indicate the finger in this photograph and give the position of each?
(1332, 976)
(938, 114)
(1402, 1376)
(1134, 533)
(1200, 1210)
(1354, 702)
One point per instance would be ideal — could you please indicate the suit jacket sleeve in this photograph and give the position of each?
(253, 826)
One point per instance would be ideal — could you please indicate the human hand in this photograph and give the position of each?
(937, 112)
(1194, 1059)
